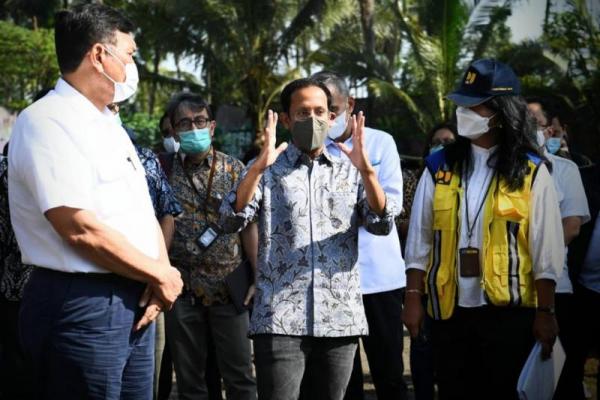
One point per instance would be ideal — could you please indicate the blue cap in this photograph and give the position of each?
(484, 80)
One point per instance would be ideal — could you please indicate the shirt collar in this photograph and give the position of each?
(207, 161)
(296, 156)
(82, 105)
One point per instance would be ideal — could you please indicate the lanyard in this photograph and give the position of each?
(471, 227)
(211, 176)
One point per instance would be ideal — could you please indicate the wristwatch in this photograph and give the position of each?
(548, 309)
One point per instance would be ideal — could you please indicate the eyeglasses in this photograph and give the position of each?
(187, 123)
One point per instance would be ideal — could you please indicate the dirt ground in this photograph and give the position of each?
(591, 369)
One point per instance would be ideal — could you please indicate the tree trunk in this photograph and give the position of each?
(367, 11)
(154, 85)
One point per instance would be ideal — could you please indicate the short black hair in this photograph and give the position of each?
(78, 29)
(290, 88)
(331, 78)
(192, 101)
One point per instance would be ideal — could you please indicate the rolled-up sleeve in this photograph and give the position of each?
(546, 241)
(420, 228)
(374, 223)
(232, 221)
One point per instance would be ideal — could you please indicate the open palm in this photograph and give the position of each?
(357, 155)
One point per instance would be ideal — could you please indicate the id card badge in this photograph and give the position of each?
(207, 237)
(469, 262)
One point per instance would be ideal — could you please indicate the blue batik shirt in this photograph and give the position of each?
(308, 213)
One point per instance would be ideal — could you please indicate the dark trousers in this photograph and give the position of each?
(421, 360)
(569, 320)
(76, 330)
(383, 348)
(15, 376)
(479, 352)
(584, 329)
(188, 327)
(281, 362)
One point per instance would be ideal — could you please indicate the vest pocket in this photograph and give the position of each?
(512, 206)
(444, 203)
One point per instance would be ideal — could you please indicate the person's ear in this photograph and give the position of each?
(351, 103)
(211, 128)
(96, 56)
(284, 118)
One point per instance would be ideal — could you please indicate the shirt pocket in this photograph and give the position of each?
(113, 195)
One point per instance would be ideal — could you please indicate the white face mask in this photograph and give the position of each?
(171, 145)
(470, 124)
(339, 126)
(124, 90)
(541, 139)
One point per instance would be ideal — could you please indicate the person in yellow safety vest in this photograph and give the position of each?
(485, 242)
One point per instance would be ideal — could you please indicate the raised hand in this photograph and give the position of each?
(357, 155)
(269, 153)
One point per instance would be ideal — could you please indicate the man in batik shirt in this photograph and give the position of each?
(201, 177)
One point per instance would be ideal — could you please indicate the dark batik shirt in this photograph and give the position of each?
(204, 270)
(13, 273)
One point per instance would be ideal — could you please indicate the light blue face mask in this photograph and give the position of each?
(552, 145)
(435, 148)
(195, 141)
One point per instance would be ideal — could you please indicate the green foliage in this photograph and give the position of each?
(27, 64)
(145, 127)
(406, 54)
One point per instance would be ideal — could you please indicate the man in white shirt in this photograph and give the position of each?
(485, 241)
(82, 214)
(574, 212)
(382, 275)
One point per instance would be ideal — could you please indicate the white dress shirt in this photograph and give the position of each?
(546, 243)
(65, 152)
(380, 257)
(572, 203)
(590, 272)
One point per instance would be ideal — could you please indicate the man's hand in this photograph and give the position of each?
(268, 153)
(545, 330)
(169, 287)
(413, 313)
(153, 308)
(250, 294)
(358, 155)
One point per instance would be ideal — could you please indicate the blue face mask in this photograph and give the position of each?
(553, 145)
(436, 148)
(195, 141)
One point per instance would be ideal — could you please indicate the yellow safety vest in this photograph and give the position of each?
(507, 278)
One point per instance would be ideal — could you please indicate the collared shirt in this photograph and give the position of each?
(546, 242)
(65, 152)
(572, 203)
(590, 271)
(204, 271)
(164, 201)
(309, 212)
(380, 257)
(13, 273)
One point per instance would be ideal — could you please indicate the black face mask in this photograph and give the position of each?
(310, 134)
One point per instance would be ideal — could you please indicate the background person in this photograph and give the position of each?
(201, 177)
(380, 261)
